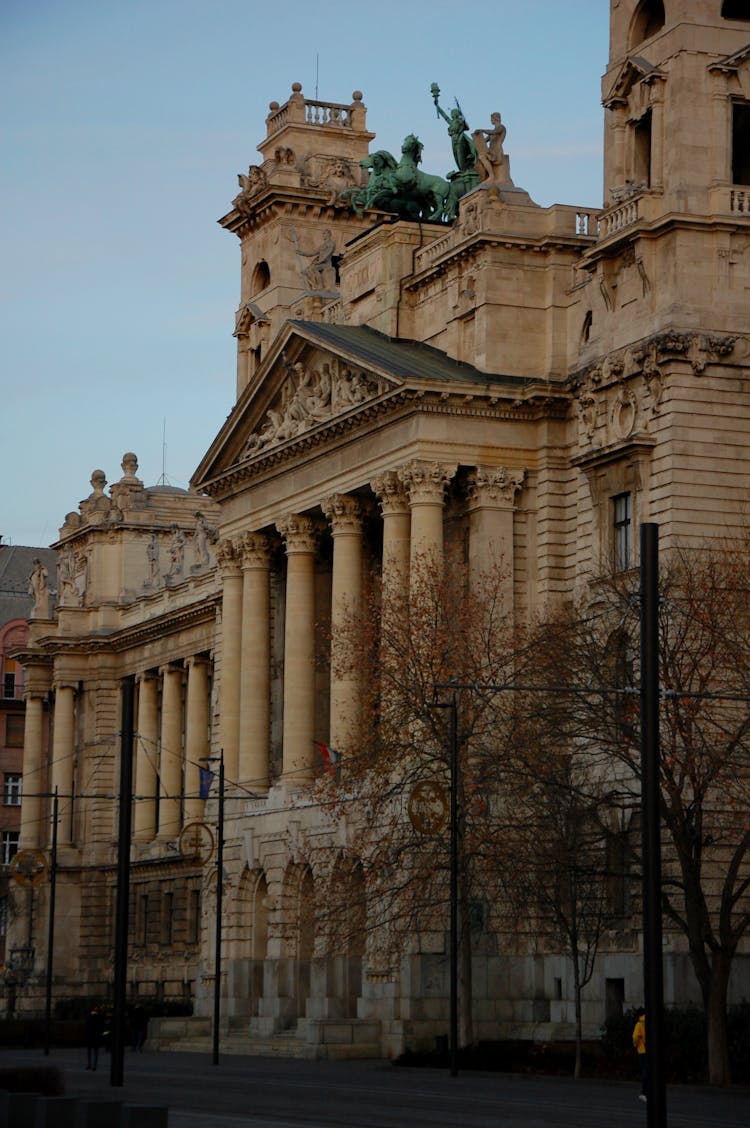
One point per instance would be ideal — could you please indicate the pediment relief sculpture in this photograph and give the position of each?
(312, 395)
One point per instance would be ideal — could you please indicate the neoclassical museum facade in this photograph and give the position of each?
(521, 382)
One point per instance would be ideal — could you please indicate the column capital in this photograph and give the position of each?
(494, 485)
(425, 481)
(171, 668)
(196, 660)
(344, 513)
(391, 493)
(255, 551)
(299, 533)
(227, 558)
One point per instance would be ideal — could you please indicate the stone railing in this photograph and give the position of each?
(310, 111)
(739, 201)
(327, 113)
(618, 217)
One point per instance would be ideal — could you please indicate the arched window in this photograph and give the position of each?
(648, 19)
(261, 277)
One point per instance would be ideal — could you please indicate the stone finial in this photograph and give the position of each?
(98, 482)
(129, 466)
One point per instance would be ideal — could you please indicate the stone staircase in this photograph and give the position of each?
(315, 1040)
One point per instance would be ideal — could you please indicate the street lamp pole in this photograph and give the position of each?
(219, 898)
(51, 927)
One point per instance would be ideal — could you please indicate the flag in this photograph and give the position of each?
(206, 777)
(331, 758)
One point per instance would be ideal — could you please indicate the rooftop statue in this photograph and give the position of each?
(466, 175)
(400, 186)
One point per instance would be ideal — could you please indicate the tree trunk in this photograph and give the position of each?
(715, 1002)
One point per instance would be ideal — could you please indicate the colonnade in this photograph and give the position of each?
(412, 499)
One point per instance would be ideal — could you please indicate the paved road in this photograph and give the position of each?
(254, 1092)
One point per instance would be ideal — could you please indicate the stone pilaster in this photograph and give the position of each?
(196, 734)
(146, 752)
(425, 484)
(344, 514)
(299, 649)
(63, 745)
(231, 656)
(255, 693)
(31, 807)
(171, 753)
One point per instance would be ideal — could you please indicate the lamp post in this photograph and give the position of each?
(51, 928)
(219, 898)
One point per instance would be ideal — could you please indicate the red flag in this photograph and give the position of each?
(331, 758)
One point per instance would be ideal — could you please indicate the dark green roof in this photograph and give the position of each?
(403, 358)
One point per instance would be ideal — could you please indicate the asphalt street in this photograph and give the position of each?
(255, 1092)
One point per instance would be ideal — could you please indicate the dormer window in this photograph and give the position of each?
(648, 19)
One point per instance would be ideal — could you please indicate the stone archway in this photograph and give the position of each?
(248, 940)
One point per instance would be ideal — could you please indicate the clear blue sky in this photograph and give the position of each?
(124, 125)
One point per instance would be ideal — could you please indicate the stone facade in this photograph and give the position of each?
(504, 382)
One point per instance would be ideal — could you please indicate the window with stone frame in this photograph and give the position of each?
(194, 916)
(12, 787)
(622, 531)
(167, 919)
(8, 847)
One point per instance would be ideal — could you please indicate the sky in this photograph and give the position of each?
(124, 124)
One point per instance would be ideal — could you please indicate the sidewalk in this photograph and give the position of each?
(253, 1092)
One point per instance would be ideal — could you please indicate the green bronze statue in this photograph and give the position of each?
(466, 176)
(400, 187)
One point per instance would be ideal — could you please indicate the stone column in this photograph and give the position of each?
(425, 483)
(394, 506)
(491, 493)
(170, 753)
(344, 513)
(231, 651)
(299, 649)
(255, 692)
(196, 735)
(146, 754)
(33, 747)
(63, 746)
(657, 133)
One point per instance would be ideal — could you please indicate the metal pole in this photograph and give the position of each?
(123, 883)
(51, 928)
(653, 976)
(219, 898)
(454, 888)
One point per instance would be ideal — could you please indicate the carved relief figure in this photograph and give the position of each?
(320, 272)
(201, 538)
(39, 591)
(176, 553)
(152, 556)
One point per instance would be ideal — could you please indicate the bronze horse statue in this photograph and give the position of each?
(400, 186)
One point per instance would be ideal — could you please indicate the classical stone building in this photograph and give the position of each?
(523, 381)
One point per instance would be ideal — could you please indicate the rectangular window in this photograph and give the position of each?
(167, 918)
(194, 924)
(12, 782)
(9, 847)
(622, 531)
(143, 919)
(14, 723)
(741, 143)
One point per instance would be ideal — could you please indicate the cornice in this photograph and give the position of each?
(634, 446)
(472, 248)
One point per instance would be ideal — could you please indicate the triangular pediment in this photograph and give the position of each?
(633, 70)
(303, 389)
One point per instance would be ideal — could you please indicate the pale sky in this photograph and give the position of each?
(124, 125)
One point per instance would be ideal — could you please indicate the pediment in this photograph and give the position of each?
(633, 71)
(303, 390)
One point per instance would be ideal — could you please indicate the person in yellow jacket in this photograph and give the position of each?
(639, 1041)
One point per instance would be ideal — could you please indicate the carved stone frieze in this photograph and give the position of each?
(311, 396)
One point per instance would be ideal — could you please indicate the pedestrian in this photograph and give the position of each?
(139, 1026)
(639, 1041)
(94, 1031)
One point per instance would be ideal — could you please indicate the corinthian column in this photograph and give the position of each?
(63, 741)
(255, 691)
(394, 506)
(146, 750)
(299, 649)
(491, 493)
(425, 484)
(231, 651)
(170, 759)
(196, 735)
(344, 513)
(31, 807)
